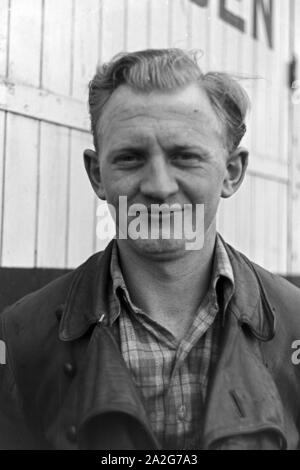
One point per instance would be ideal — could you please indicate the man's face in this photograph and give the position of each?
(162, 147)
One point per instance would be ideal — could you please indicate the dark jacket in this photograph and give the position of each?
(66, 386)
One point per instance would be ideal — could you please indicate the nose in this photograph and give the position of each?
(158, 182)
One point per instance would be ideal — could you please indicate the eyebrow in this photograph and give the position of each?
(138, 148)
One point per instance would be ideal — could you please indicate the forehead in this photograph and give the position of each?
(177, 114)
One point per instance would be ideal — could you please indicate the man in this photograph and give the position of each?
(150, 345)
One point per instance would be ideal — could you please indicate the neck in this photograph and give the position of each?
(169, 291)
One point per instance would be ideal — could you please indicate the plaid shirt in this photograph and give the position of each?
(172, 375)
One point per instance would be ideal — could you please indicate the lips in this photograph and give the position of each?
(164, 211)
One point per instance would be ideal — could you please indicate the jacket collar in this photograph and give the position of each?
(250, 304)
(87, 300)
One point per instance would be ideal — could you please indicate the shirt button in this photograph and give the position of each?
(69, 369)
(181, 412)
(72, 433)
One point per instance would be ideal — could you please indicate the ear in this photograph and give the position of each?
(92, 166)
(236, 167)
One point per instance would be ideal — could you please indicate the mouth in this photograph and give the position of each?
(164, 211)
(160, 215)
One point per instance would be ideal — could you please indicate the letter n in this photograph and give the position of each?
(231, 18)
(201, 3)
(260, 7)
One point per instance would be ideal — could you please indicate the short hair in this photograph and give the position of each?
(168, 69)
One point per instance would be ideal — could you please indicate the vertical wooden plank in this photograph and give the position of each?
(243, 225)
(25, 41)
(56, 72)
(113, 33)
(4, 17)
(272, 221)
(259, 124)
(259, 227)
(19, 219)
(294, 160)
(178, 22)
(232, 39)
(137, 25)
(275, 64)
(81, 203)
(199, 33)
(159, 21)
(282, 219)
(274, 103)
(216, 32)
(2, 160)
(228, 218)
(53, 195)
(295, 268)
(85, 50)
(245, 66)
(282, 110)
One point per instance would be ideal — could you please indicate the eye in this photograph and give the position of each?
(186, 159)
(128, 160)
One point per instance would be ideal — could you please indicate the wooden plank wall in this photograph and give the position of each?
(48, 54)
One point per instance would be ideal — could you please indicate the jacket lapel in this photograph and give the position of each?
(108, 395)
(244, 409)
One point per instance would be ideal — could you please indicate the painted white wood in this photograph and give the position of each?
(43, 105)
(295, 267)
(85, 45)
(244, 217)
(294, 156)
(215, 43)
(20, 192)
(228, 217)
(271, 222)
(81, 216)
(56, 74)
(282, 110)
(258, 244)
(179, 24)
(245, 70)
(262, 166)
(159, 23)
(113, 31)
(199, 33)
(2, 160)
(53, 196)
(25, 41)
(276, 105)
(137, 25)
(259, 102)
(282, 260)
(4, 14)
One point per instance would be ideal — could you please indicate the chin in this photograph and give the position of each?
(164, 249)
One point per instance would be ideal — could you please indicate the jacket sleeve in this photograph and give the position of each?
(14, 433)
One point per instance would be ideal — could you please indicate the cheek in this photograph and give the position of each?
(205, 188)
(117, 184)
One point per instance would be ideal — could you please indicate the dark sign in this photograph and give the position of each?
(262, 10)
